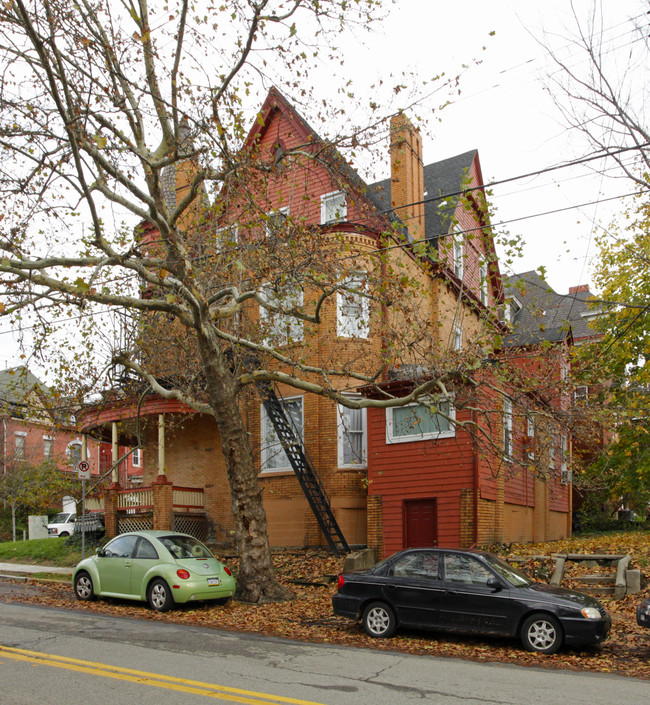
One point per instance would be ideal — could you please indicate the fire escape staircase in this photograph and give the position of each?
(303, 468)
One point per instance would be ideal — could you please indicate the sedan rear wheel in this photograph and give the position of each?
(379, 620)
(83, 586)
(159, 596)
(541, 633)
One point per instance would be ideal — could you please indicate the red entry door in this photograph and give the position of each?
(420, 523)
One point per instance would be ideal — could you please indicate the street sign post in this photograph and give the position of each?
(83, 472)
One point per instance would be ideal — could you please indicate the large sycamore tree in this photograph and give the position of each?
(101, 101)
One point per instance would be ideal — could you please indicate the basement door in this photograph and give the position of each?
(420, 523)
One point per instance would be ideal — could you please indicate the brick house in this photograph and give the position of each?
(440, 205)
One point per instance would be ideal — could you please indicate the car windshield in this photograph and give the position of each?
(185, 547)
(59, 518)
(507, 572)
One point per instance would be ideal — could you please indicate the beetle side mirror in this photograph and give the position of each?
(495, 584)
(100, 552)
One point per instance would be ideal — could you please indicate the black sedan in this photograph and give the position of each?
(468, 591)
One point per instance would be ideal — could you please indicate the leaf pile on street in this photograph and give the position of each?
(309, 616)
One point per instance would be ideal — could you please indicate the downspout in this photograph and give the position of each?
(475, 468)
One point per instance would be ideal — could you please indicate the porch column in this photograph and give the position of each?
(115, 455)
(163, 490)
(161, 444)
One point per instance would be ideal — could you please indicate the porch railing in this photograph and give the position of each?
(187, 498)
(141, 499)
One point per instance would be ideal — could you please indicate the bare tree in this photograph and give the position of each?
(600, 86)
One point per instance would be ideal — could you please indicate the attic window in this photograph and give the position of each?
(333, 207)
(275, 220)
(512, 308)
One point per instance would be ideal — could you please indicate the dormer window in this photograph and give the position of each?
(333, 207)
(511, 309)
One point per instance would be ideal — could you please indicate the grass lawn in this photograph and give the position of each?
(56, 552)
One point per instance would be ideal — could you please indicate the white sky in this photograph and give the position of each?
(502, 111)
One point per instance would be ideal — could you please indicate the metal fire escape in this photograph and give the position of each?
(303, 468)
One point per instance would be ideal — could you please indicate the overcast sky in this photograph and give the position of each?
(502, 110)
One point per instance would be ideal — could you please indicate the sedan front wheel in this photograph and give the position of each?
(379, 620)
(541, 633)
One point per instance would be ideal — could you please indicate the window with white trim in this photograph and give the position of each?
(281, 328)
(20, 442)
(136, 457)
(551, 453)
(275, 221)
(566, 475)
(227, 236)
(353, 309)
(274, 458)
(352, 437)
(483, 281)
(333, 207)
(530, 436)
(420, 422)
(458, 256)
(581, 394)
(74, 453)
(48, 447)
(507, 428)
(458, 337)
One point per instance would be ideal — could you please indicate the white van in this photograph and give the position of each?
(61, 525)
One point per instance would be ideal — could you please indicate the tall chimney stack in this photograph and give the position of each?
(407, 174)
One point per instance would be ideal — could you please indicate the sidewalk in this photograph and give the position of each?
(10, 569)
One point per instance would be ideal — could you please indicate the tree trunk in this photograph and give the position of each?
(256, 581)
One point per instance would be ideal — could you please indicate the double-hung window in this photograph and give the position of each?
(420, 422)
(333, 207)
(458, 254)
(20, 440)
(227, 237)
(458, 337)
(136, 457)
(352, 440)
(353, 309)
(48, 447)
(507, 428)
(274, 457)
(281, 328)
(483, 282)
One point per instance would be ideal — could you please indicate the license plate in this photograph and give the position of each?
(214, 581)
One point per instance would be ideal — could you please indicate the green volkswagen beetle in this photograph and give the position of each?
(160, 567)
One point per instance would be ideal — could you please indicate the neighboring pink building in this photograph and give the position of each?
(36, 429)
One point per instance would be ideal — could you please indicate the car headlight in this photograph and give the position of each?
(590, 613)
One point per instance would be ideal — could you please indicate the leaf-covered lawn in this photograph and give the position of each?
(309, 616)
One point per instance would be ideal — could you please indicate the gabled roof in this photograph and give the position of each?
(441, 179)
(17, 384)
(545, 314)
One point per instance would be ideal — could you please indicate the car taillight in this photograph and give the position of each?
(228, 571)
(183, 574)
(341, 582)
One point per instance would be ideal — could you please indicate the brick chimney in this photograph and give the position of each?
(578, 289)
(407, 174)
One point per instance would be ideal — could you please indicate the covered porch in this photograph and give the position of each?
(160, 504)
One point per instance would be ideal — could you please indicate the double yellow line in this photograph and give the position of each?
(208, 690)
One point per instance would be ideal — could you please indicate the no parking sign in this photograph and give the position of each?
(83, 470)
